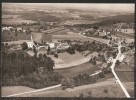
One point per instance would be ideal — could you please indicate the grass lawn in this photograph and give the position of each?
(24, 36)
(61, 32)
(15, 21)
(126, 72)
(107, 76)
(9, 90)
(123, 67)
(80, 69)
(130, 88)
(131, 35)
(126, 76)
(67, 58)
(71, 37)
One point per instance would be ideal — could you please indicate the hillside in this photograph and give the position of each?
(116, 19)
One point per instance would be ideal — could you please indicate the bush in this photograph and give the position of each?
(90, 94)
(105, 90)
(81, 95)
(56, 55)
(67, 83)
(71, 50)
(101, 75)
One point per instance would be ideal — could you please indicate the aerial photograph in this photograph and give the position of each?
(83, 50)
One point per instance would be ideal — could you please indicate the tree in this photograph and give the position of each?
(117, 62)
(56, 55)
(81, 95)
(44, 56)
(90, 94)
(71, 50)
(101, 75)
(24, 46)
(94, 62)
(16, 34)
(34, 49)
(105, 90)
(91, 60)
(40, 56)
(96, 27)
(67, 83)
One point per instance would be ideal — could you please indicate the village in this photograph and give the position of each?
(69, 54)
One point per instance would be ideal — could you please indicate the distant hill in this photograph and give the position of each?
(116, 19)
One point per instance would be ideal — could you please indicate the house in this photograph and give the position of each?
(30, 45)
(62, 46)
(109, 59)
(121, 58)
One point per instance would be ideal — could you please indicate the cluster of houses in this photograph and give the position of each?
(53, 46)
(100, 32)
(125, 28)
(18, 29)
(103, 32)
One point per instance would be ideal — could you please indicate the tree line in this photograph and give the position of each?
(18, 68)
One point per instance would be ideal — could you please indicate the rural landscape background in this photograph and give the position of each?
(68, 50)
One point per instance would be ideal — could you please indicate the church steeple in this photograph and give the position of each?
(32, 39)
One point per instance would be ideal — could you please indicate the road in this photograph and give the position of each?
(39, 90)
(43, 89)
(113, 65)
(112, 68)
(115, 75)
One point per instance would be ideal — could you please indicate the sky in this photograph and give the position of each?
(125, 7)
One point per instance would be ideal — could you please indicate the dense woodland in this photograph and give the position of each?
(115, 19)
(18, 68)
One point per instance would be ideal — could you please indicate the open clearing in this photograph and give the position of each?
(80, 69)
(16, 21)
(126, 76)
(130, 87)
(16, 42)
(123, 67)
(8, 90)
(73, 22)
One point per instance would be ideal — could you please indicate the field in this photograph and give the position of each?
(16, 21)
(16, 42)
(10, 36)
(70, 37)
(123, 67)
(130, 88)
(8, 16)
(8, 90)
(124, 35)
(126, 76)
(97, 90)
(73, 22)
(79, 69)
(125, 71)
(61, 32)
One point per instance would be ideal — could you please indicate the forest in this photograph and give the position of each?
(20, 69)
(115, 19)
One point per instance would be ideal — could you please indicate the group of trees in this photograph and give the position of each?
(86, 45)
(83, 79)
(18, 68)
(42, 16)
(93, 60)
(106, 21)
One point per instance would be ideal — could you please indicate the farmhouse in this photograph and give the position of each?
(121, 58)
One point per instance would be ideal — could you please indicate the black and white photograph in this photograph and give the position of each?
(83, 50)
